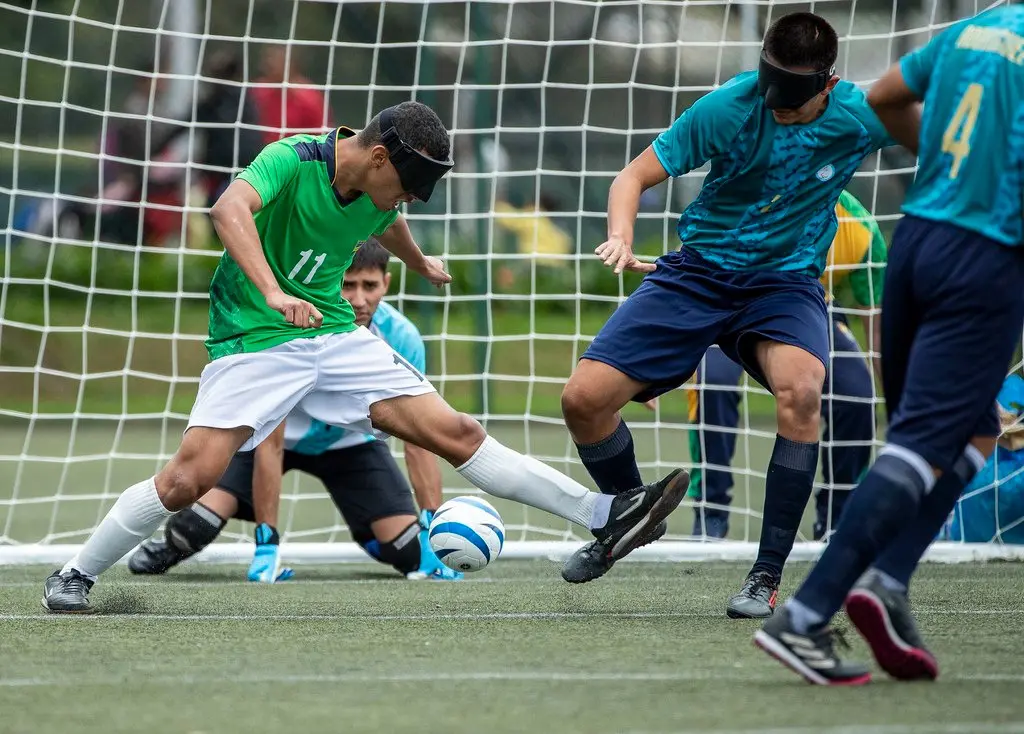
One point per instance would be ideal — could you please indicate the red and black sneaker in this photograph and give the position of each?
(883, 618)
(809, 654)
(756, 600)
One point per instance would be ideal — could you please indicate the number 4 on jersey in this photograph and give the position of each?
(957, 139)
(317, 262)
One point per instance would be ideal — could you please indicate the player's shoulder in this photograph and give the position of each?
(310, 148)
(853, 110)
(736, 96)
(395, 327)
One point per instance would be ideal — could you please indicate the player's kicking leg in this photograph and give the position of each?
(620, 523)
(185, 534)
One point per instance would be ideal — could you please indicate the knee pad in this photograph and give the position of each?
(193, 529)
(403, 553)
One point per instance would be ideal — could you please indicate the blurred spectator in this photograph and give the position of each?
(535, 234)
(227, 117)
(301, 110)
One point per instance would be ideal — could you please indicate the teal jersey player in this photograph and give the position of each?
(768, 202)
(971, 160)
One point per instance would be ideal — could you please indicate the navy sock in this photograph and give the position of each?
(889, 493)
(612, 461)
(900, 558)
(787, 489)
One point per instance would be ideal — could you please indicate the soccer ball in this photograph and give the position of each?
(466, 533)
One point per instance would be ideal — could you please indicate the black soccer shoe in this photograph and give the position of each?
(883, 618)
(154, 557)
(756, 600)
(636, 518)
(67, 593)
(811, 655)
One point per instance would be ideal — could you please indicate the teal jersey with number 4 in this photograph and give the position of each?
(971, 157)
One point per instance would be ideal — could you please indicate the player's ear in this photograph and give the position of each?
(387, 281)
(378, 156)
(831, 84)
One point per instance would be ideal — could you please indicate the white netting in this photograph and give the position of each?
(120, 120)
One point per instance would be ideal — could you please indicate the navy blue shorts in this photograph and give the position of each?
(951, 319)
(659, 335)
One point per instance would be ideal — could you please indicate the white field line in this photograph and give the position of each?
(469, 677)
(922, 728)
(422, 617)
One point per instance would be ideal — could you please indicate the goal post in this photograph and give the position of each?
(120, 122)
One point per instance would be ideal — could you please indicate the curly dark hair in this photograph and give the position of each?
(802, 39)
(417, 125)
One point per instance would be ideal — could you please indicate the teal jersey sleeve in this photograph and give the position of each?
(917, 66)
(702, 132)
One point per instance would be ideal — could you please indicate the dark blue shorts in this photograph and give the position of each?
(951, 319)
(659, 335)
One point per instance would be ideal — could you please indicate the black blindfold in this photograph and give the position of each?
(418, 173)
(783, 89)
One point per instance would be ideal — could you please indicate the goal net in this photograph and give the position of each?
(121, 121)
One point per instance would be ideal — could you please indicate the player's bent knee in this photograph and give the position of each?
(180, 484)
(799, 400)
(581, 404)
(458, 439)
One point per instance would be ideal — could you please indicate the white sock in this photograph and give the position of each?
(502, 472)
(132, 519)
(890, 583)
(802, 616)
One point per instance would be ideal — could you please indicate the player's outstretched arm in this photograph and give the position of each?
(266, 500)
(425, 476)
(642, 173)
(232, 217)
(898, 107)
(398, 240)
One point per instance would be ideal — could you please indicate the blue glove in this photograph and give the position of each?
(430, 565)
(266, 562)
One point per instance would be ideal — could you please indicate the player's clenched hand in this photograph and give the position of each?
(295, 310)
(619, 256)
(433, 270)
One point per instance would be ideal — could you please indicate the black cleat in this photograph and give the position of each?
(67, 593)
(756, 600)
(810, 655)
(883, 618)
(636, 518)
(154, 557)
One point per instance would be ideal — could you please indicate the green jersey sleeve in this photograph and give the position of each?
(272, 170)
(386, 221)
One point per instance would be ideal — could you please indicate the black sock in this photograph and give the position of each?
(900, 558)
(890, 493)
(612, 461)
(787, 489)
(193, 529)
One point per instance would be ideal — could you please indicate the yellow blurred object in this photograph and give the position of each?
(535, 233)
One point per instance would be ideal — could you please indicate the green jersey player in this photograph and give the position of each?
(282, 338)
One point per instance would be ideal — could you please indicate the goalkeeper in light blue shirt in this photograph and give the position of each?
(783, 142)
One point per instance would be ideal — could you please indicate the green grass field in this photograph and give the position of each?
(513, 649)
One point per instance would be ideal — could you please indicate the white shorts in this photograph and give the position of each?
(334, 377)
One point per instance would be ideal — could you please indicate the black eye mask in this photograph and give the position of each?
(783, 89)
(418, 173)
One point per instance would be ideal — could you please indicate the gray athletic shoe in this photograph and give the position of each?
(811, 654)
(636, 518)
(756, 600)
(67, 593)
(883, 618)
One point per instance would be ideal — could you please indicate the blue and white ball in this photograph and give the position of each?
(466, 533)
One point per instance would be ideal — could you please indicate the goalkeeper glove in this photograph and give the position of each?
(430, 565)
(266, 562)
